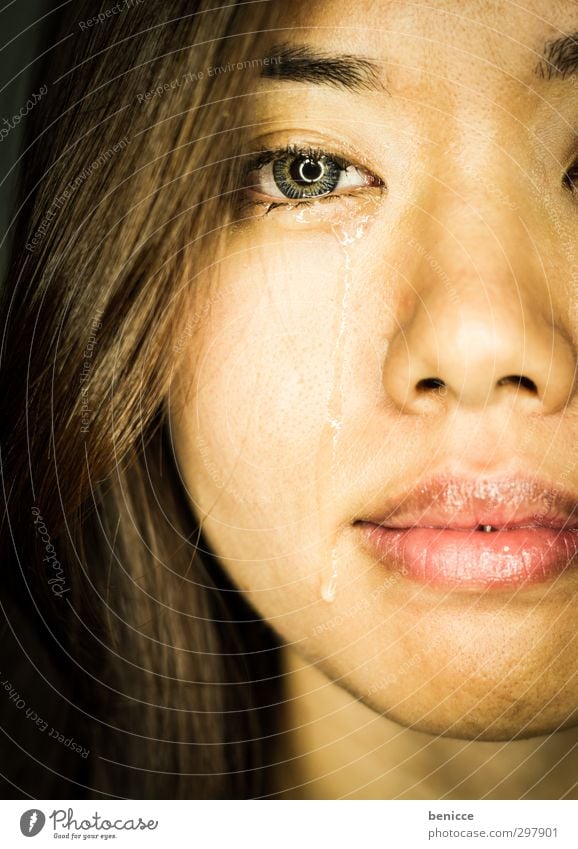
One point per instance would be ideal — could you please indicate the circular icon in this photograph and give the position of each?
(32, 822)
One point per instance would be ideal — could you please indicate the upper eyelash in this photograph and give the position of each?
(266, 155)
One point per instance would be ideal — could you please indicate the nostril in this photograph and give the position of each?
(429, 384)
(519, 381)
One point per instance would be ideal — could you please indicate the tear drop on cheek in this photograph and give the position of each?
(329, 584)
(347, 232)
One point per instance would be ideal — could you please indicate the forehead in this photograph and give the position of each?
(438, 36)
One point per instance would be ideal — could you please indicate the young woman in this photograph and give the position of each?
(288, 440)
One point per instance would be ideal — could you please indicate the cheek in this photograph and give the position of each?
(250, 412)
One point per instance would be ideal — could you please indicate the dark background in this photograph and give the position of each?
(23, 24)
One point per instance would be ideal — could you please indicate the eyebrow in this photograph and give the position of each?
(356, 73)
(560, 58)
(306, 65)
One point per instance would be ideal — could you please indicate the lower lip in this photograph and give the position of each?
(464, 558)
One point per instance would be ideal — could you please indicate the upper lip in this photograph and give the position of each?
(462, 503)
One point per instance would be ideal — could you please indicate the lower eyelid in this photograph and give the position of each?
(256, 197)
(320, 207)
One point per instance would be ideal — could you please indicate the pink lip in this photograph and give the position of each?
(434, 533)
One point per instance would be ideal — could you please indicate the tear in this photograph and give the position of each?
(347, 233)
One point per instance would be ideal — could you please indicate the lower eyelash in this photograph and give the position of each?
(293, 204)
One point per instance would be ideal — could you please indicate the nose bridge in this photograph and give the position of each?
(475, 216)
(481, 327)
(471, 253)
(480, 261)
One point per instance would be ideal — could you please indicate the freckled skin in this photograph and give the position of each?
(461, 269)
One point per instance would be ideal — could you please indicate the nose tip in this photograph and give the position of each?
(476, 363)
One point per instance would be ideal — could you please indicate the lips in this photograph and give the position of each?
(458, 532)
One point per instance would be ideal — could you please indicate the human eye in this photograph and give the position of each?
(293, 175)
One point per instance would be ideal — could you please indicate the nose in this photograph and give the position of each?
(477, 332)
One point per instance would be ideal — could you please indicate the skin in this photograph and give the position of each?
(295, 412)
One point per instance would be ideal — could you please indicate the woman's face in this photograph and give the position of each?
(375, 417)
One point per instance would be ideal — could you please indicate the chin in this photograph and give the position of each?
(489, 721)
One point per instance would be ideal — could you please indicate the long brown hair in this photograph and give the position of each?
(142, 672)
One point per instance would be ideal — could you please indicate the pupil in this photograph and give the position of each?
(307, 171)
